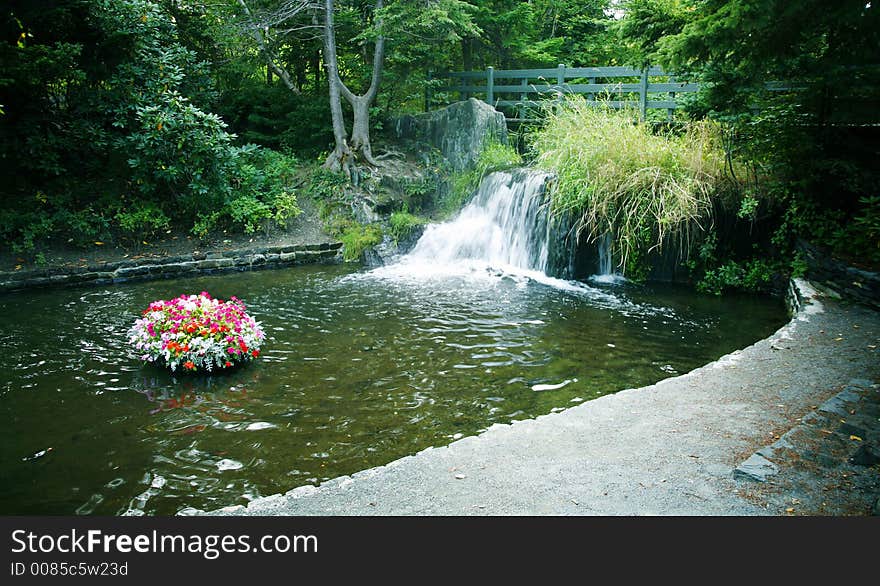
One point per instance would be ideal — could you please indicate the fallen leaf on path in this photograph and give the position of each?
(855, 438)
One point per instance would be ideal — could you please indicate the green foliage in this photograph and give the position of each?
(102, 107)
(799, 265)
(261, 192)
(401, 224)
(617, 176)
(274, 117)
(142, 222)
(864, 234)
(645, 22)
(356, 238)
(249, 212)
(323, 184)
(825, 56)
(754, 275)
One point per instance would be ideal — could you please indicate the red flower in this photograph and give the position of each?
(228, 364)
(189, 365)
(255, 353)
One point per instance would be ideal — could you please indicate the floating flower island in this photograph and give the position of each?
(196, 333)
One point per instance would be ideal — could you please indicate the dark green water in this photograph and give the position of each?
(356, 372)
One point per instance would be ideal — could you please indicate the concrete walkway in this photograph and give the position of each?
(667, 449)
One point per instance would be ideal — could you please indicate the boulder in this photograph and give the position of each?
(459, 131)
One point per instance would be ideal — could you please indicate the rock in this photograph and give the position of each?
(459, 131)
(757, 468)
(389, 250)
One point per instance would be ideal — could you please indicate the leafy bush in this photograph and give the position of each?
(753, 275)
(261, 192)
(142, 222)
(249, 212)
(617, 176)
(324, 184)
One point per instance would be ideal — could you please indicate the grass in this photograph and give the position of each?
(402, 223)
(616, 175)
(356, 238)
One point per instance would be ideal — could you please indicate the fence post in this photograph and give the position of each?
(643, 94)
(670, 112)
(560, 79)
(490, 85)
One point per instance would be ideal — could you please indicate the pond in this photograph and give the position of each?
(359, 368)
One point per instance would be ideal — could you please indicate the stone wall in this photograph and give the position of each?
(835, 278)
(172, 266)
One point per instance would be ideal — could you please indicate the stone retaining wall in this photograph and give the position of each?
(172, 266)
(839, 280)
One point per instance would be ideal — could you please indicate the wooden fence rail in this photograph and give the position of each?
(521, 89)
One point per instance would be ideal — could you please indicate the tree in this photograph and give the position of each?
(416, 27)
(344, 154)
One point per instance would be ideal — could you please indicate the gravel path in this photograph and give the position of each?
(666, 449)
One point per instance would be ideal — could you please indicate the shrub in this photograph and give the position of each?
(142, 221)
(617, 176)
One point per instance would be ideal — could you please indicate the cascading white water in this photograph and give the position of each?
(504, 227)
(504, 232)
(606, 272)
(604, 246)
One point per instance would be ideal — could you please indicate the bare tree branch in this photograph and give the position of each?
(289, 10)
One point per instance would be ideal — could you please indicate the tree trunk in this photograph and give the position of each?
(360, 131)
(360, 136)
(466, 54)
(340, 157)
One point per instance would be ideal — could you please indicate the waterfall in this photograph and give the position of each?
(606, 272)
(504, 232)
(604, 245)
(505, 227)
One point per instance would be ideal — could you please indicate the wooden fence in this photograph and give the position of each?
(521, 90)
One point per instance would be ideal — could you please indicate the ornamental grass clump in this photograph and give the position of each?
(196, 333)
(618, 177)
